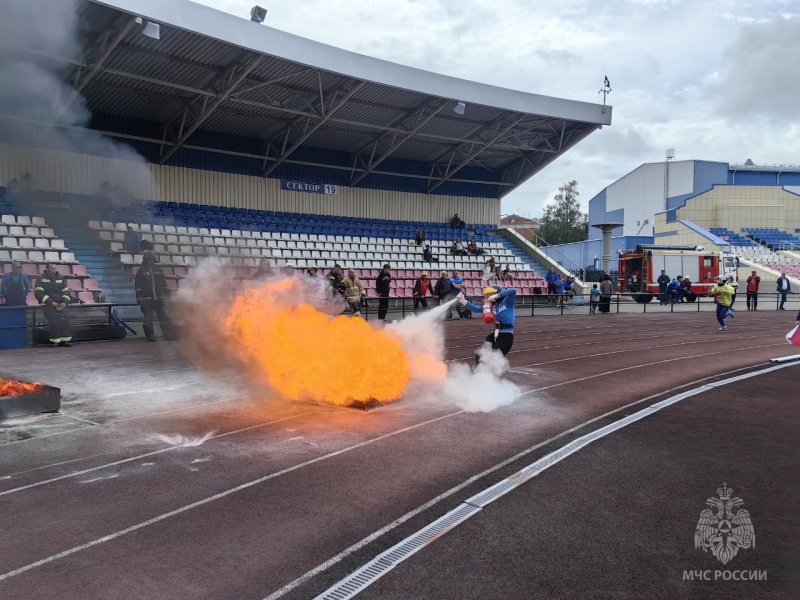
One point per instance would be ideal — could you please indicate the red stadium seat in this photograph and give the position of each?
(91, 285)
(86, 297)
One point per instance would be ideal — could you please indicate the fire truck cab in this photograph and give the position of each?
(640, 268)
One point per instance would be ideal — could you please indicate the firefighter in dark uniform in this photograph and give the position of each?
(151, 294)
(336, 279)
(53, 294)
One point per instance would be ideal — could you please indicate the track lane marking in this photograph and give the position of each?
(145, 455)
(215, 497)
(363, 577)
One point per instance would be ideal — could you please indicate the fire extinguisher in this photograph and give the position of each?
(488, 313)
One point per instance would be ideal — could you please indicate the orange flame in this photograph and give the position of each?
(12, 387)
(306, 354)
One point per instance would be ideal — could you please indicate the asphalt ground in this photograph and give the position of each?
(157, 481)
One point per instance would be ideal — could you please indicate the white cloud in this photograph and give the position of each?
(713, 79)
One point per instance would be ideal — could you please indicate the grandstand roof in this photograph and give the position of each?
(212, 76)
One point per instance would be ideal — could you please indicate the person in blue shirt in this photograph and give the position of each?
(594, 299)
(15, 286)
(551, 277)
(502, 338)
(458, 287)
(559, 285)
(674, 289)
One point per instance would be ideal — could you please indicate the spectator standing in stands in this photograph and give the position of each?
(752, 291)
(420, 239)
(132, 241)
(335, 279)
(456, 222)
(353, 292)
(152, 294)
(594, 299)
(427, 255)
(53, 294)
(722, 293)
(458, 287)
(551, 279)
(444, 291)
(264, 270)
(312, 272)
(488, 270)
(663, 282)
(383, 286)
(15, 286)
(783, 288)
(421, 288)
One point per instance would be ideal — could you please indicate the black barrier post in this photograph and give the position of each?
(617, 303)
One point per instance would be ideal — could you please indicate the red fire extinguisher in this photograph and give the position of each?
(488, 312)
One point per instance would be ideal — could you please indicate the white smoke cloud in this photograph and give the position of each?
(483, 388)
(39, 107)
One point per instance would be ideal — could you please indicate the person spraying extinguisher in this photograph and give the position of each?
(497, 310)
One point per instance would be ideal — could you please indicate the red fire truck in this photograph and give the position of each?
(640, 268)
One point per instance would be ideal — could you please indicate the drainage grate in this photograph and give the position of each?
(383, 563)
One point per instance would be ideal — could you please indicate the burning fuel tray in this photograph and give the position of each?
(44, 399)
(365, 405)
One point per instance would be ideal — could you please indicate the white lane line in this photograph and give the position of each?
(145, 455)
(650, 364)
(174, 387)
(215, 497)
(373, 570)
(380, 532)
(623, 351)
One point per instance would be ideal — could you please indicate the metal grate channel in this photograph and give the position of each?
(388, 560)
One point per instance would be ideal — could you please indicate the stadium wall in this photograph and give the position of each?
(736, 207)
(71, 172)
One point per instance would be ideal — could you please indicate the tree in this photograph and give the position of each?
(563, 222)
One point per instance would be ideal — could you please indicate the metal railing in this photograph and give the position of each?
(560, 258)
(537, 304)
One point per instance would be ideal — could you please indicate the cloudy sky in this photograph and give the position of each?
(713, 79)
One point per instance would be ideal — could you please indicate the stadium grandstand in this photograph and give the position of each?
(237, 141)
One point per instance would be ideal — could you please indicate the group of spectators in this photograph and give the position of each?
(560, 290)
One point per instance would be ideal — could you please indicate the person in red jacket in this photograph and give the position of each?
(752, 291)
(422, 287)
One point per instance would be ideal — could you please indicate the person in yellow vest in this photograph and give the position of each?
(723, 296)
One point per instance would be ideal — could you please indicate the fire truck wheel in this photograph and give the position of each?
(643, 298)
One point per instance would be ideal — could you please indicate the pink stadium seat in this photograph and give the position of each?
(91, 285)
(77, 270)
(32, 300)
(526, 291)
(168, 272)
(74, 284)
(172, 284)
(86, 297)
(29, 269)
